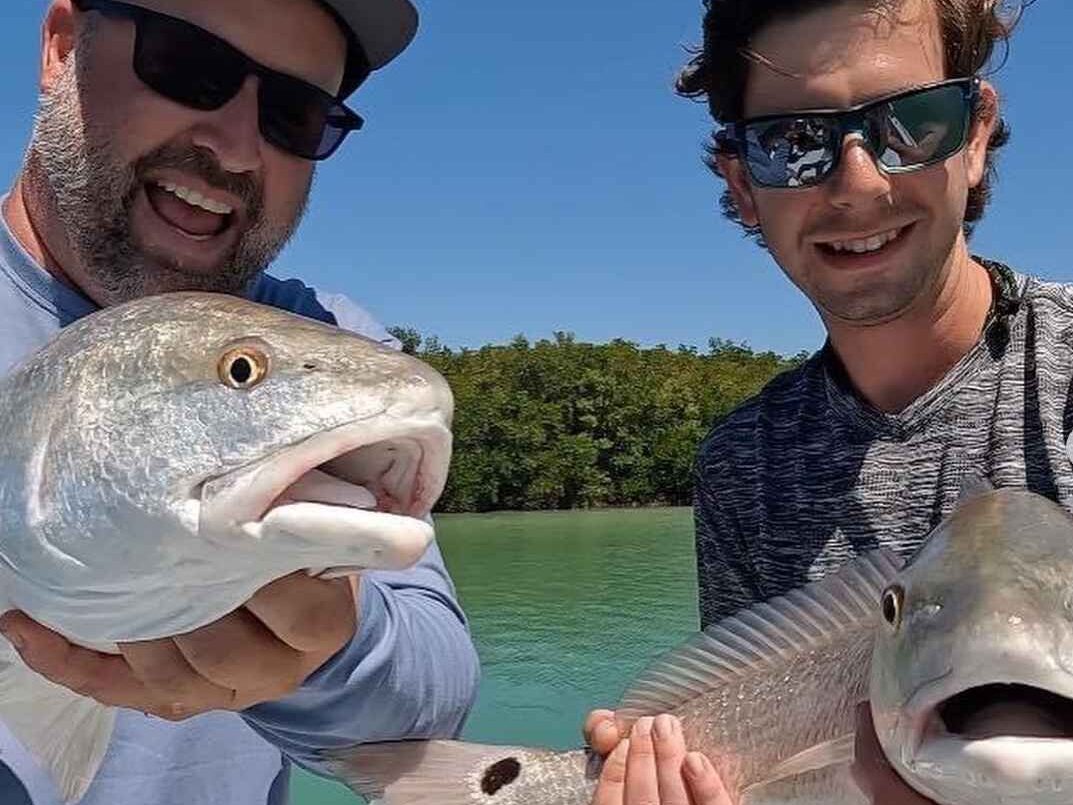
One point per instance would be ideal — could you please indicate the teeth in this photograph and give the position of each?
(865, 245)
(195, 199)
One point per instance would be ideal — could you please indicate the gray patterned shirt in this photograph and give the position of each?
(806, 475)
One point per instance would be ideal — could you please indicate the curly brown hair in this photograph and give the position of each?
(971, 30)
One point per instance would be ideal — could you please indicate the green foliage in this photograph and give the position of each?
(560, 424)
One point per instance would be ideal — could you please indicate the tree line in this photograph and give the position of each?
(561, 424)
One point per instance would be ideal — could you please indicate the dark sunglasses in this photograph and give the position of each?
(192, 67)
(905, 132)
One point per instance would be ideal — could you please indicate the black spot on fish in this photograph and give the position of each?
(502, 772)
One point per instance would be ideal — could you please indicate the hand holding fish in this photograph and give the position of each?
(871, 771)
(652, 765)
(260, 652)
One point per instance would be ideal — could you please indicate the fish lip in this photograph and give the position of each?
(926, 734)
(231, 501)
(914, 716)
(949, 767)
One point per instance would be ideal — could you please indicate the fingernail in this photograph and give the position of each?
(664, 727)
(660, 728)
(695, 764)
(643, 727)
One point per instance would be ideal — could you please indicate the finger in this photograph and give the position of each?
(177, 688)
(237, 652)
(642, 784)
(705, 785)
(601, 731)
(107, 678)
(670, 746)
(609, 790)
(310, 615)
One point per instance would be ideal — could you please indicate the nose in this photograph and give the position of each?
(858, 181)
(232, 132)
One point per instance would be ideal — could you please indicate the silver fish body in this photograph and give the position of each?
(164, 459)
(966, 653)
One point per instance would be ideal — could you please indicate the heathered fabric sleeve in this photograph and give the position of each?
(726, 580)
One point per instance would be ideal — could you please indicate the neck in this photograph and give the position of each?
(31, 229)
(894, 363)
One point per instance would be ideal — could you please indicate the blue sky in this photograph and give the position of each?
(527, 168)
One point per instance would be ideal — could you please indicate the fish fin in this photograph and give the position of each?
(433, 772)
(834, 752)
(67, 734)
(974, 485)
(833, 610)
(831, 785)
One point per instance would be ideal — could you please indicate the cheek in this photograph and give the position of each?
(782, 216)
(130, 119)
(941, 190)
(286, 184)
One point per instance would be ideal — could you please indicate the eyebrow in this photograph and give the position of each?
(832, 110)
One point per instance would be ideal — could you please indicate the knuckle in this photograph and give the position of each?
(84, 686)
(165, 678)
(642, 747)
(614, 771)
(205, 655)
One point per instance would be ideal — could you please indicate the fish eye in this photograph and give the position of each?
(243, 367)
(892, 601)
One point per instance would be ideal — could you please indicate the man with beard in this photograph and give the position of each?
(174, 150)
(857, 142)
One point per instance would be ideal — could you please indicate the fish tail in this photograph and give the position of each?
(459, 773)
(66, 733)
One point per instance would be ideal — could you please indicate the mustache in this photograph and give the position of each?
(201, 163)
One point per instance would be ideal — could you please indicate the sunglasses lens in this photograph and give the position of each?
(302, 120)
(186, 64)
(790, 152)
(921, 128)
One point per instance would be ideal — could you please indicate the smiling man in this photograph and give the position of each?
(174, 149)
(856, 139)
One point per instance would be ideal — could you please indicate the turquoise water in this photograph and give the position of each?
(565, 608)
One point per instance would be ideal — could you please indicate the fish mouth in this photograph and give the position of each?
(994, 741)
(1006, 709)
(352, 497)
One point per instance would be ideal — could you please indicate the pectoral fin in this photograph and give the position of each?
(66, 733)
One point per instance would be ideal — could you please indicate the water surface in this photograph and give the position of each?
(565, 607)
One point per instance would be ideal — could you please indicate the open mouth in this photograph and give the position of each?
(197, 216)
(1006, 710)
(856, 248)
(352, 497)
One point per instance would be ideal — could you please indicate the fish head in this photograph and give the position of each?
(972, 673)
(195, 446)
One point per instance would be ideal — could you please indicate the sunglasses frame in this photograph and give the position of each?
(731, 140)
(339, 115)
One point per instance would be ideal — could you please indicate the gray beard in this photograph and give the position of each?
(92, 193)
